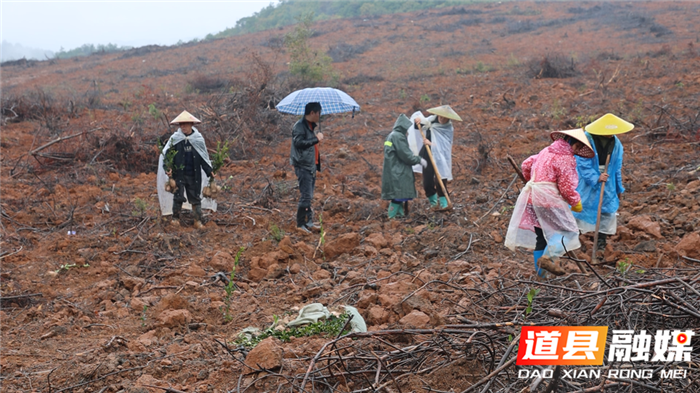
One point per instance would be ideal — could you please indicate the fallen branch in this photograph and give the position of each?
(36, 151)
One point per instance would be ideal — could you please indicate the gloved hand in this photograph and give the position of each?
(423, 163)
(577, 207)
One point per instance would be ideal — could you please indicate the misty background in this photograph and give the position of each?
(37, 30)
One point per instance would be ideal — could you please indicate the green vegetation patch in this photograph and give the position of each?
(325, 327)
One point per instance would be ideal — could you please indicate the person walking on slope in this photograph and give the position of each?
(306, 160)
(439, 135)
(541, 218)
(398, 181)
(592, 174)
(190, 164)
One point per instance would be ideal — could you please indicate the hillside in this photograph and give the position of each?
(99, 295)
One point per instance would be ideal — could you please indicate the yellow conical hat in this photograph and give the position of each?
(609, 124)
(586, 151)
(185, 117)
(445, 111)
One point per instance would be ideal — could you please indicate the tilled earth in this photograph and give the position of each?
(99, 295)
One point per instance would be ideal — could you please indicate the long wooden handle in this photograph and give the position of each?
(600, 209)
(437, 173)
(516, 168)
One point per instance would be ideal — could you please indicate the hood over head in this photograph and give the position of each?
(402, 124)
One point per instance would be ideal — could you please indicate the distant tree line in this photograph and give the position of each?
(286, 12)
(89, 49)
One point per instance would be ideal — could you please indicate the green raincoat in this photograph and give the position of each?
(398, 181)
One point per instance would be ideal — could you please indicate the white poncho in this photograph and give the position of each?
(441, 138)
(166, 198)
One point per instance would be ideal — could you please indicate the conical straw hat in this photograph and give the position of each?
(445, 111)
(609, 124)
(185, 117)
(586, 151)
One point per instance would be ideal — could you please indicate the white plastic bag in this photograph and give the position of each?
(554, 217)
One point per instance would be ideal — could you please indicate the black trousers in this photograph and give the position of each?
(430, 183)
(307, 183)
(186, 185)
(541, 241)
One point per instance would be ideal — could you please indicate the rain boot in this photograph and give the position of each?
(394, 209)
(301, 220)
(402, 212)
(197, 216)
(310, 221)
(433, 199)
(537, 254)
(443, 203)
(602, 242)
(175, 220)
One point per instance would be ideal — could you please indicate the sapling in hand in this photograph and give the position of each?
(168, 164)
(217, 161)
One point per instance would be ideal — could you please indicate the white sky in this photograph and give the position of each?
(51, 25)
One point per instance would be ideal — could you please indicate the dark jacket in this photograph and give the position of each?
(179, 165)
(303, 153)
(398, 181)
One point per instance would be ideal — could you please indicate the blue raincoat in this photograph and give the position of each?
(589, 188)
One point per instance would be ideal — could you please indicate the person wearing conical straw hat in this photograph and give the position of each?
(439, 135)
(602, 136)
(542, 220)
(191, 167)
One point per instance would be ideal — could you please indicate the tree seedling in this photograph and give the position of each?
(143, 315)
(230, 288)
(530, 299)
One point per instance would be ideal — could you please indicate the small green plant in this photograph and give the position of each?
(680, 85)
(481, 67)
(140, 206)
(410, 230)
(329, 327)
(557, 111)
(125, 103)
(530, 299)
(424, 99)
(505, 209)
(640, 271)
(143, 315)
(512, 61)
(402, 94)
(136, 118)
(583, 120)
(276, 232)
(230, 287)
(671, 187)
(637, 113)
(68, 266)
(623, 267)
(153, 111)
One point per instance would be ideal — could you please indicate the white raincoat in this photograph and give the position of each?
(441, 135)
(166, 198)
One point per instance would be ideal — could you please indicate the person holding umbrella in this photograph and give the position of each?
(541, 218)
(398, 181)
(439, 135)
(306, 160)
(305, 156)
(604, 167)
